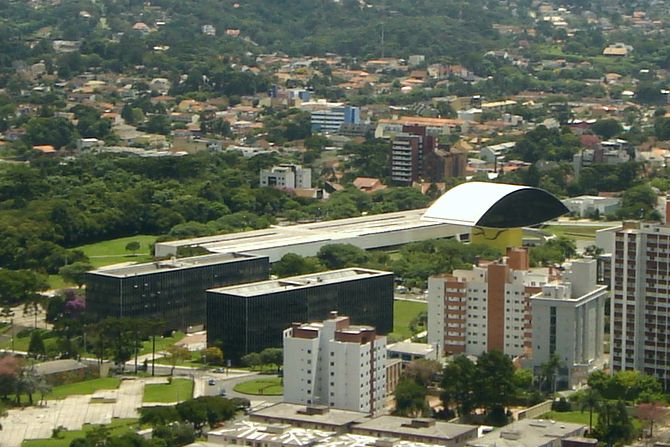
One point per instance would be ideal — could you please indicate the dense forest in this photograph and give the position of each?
(50, 206)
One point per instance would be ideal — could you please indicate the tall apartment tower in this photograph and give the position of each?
(409, 152)
(568, 321)
(640, 306)
(486, 308)
(336, 364)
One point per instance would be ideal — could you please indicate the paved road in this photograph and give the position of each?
(221, 381)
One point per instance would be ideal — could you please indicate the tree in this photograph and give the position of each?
(458, 385)
(36, 346)
(177, 354)
(607, 128)
(650, 413)
(10, 367)
(159, 124)
(133, 246)
(272, 356)
(75, 273)
(614, 424)
(337, 256)
(422, 371)
(156, 416)
(589, 400)
(549, 371)
(292, 264)
(638, 202)
(212, 355)
(58, 132)
(495, 388)
(252, 360)
(410, 398)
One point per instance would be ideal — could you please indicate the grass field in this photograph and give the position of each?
(117, 427)
(161, 342)
(261, 387)
(114, 251)
(576, 417)
(574, 232)
(403, 313)
(177, 391)
(22, 342)
(85, 387)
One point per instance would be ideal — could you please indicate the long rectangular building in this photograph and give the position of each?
(173, 291)
(250, 318)
(367, 232)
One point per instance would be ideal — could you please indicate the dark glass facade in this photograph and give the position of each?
(243, 324)
(174, 295)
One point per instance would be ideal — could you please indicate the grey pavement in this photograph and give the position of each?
(73, 412)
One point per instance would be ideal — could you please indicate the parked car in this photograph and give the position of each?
(211, 382)
(222, 393)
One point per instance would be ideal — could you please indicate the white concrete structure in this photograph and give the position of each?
(496, 205)
(336, 364)
(486, 308)
(587, 206)
(367, 232)
(530, 433)
(496, 152)
(286, 176)
(569, 321)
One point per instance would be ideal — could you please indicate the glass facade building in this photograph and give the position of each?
(250, 318)
(173, 291)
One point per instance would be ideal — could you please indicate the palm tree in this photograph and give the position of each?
(549, 372)
(589, 400)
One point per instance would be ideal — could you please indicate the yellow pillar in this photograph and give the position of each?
(499, 238)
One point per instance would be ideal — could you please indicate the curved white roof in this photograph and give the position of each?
(467, 203)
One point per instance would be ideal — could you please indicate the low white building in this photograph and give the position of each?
(496, 152)
(286, 176)
(336, 364)
(587, 206)
(569, 321)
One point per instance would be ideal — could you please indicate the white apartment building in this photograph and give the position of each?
(336, 364)
(286, 176)
(640, 306)
(568, 319)
(486, 308)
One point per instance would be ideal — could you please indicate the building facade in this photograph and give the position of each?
(172, 291)
(336, 364)
(251, 318)
(411, 151)
(286, 176)
(568, 319)
(486, 308)
(640, 305)
(328, 117)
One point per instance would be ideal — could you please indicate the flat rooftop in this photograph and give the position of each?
(295, 412)
(366, 231)
(528, 433)
(171, 265)
(400, 426)
(411, 348)
(299, 282)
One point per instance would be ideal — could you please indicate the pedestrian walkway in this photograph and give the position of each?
(73, 412)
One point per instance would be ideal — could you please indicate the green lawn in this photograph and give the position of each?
(261, 387)
(574, 232)
(22, 343)
(177, 391)
(403, 313)
(571, 416)
(57, 282)
(85, 387)
(118, 427)
(161, 342)
(114, 251)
